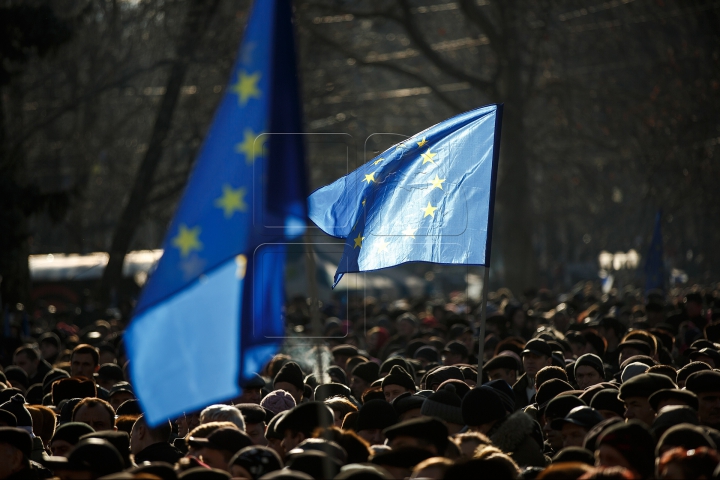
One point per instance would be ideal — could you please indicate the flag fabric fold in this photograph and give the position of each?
(429, 198)
(211, 312)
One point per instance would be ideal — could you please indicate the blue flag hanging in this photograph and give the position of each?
(654, 265)
(211, 313)
(427, 199)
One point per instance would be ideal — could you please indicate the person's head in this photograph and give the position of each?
(469, 442)
(373, 417)
(537, 354)
(397, 382)
(186, 422)
(407, 325)
(253, 462)
(109, 374)
(432, 468)
(636, 392)
(120, 393)
(549, 373)
(96, 412)
(454, 353)
(362, 376)
(502, 367)
(252, 390)
(254, 416)
(576, 425)
(222, 413)
(27, 358)
(299, 423)
(682, 464)
(688, 370)
(49, 346)
(219, 447)
(629, 445)
(290, 378)
(589, 370)
(426, 433)
(493, 409)
(340, 406)
(706, 385)
(142, 436)
(67, 436)
(15, 448)
(558, 408)
(84, 361)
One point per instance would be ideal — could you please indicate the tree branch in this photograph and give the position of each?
(471, 9)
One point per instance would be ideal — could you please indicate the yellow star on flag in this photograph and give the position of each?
(246, 87)
(187, 240)
(422, 142)
(232, 200)
(363, 202)
(383, 245)
(370, 178)
(428, 157)
(429, 210)
(248, 146)
(358, 241)
(437, 182)
(378, 161)
(409, 232)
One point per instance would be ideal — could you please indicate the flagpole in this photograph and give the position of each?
(314, 305)
(483, 319)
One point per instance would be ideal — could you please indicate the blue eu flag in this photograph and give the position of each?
(211, 313)
(654, 265)
(427, 199)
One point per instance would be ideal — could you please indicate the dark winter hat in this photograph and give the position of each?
(638, 345)
(8, 393)
(226, 438)
(607, 399)
(344, 350)
(92, 454)
(406, 457)
(71, 432)
(119, 440)
(67, 388)
(315, 463)
(306, 417)
(429, 429)
(327, 390)
(254, 381)
(538, 347)
(18, 438)
(711, 353)
(506, 393)
(51, 338)
(290, 373)
(703, 382)
(16, 406)
(252, 412)
(320, 444)
(691, 368)
(673, 415)
(391, 362)
(585, 417)
(686, 397)
(444, 404)
(399, 376)
(257, 460)
(575, 454)
(368, 371)
(7, 419)
(482, 405)
(687, 436)
(428, 353)
(337, 374)
(51, 376)
(590, 360)
(549, 390)
(438, 375)
(560, 406)
(111, 371)
(34, 394)
(406, 402)
(376, 414)
(461, 388)
(121, 387)
(456, 348)
(501, 361)
(591, 438)
(644, 385)
(17, 374)
(129, 407)
(635, 443)
(160, 469)
(271, 431)
(204, 473)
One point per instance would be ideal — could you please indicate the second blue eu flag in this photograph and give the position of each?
(427, 199)
(211, 313)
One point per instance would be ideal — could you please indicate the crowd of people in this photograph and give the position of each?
(571, 386)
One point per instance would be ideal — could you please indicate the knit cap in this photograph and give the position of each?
(368, 371)
(290, 373)
(591, 360)
(444, 404)
(376, 414)
(16, 406)
(633, 370)
(506, 393)
(399, 376)
(278, 401)
(482, 405)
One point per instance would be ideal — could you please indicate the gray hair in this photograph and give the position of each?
(223, 413)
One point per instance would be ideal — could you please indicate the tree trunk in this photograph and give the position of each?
(199, 11)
